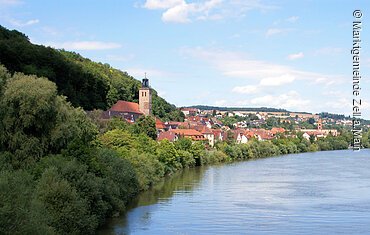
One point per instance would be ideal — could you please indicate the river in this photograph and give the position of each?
(308, 193)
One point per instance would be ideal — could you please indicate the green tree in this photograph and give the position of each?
(146, 125)
(64, 209)
(18, 215)
(35, 121)
(168, 155)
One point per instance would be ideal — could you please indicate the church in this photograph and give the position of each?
(131, 111)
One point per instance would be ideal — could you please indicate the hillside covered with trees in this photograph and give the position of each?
(85, 83)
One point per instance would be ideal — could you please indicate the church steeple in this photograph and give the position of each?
(145, 97)
(145, 82)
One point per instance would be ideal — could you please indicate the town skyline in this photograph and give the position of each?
(278, 54)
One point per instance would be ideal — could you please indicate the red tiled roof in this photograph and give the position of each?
(184, 124)
(166, 135)
(276, 130)
(315, 133)
(195, 135)
(216, 132)
(206, 130)
(190, 109)
(125, 106)
(159, 124)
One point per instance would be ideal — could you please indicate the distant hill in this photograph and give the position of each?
(87, 84)
(262, 109)
(334, 116)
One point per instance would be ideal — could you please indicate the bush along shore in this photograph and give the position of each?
(62, 172)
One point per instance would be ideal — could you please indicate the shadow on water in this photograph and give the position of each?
(185, 181)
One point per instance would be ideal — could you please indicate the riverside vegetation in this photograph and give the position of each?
(62, 172)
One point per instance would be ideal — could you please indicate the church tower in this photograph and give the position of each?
(319, 125)
(145, 97)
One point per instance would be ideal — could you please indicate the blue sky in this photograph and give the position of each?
(249, 53)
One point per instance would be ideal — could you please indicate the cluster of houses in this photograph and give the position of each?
(198, 126)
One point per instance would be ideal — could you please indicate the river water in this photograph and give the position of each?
(309, 193)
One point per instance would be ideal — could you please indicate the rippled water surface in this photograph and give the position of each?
(310, 193)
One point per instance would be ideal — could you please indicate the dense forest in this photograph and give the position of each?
(85, 83)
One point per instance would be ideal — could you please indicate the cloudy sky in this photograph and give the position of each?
(249, 53)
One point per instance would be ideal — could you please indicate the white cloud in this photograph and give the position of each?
(10, 2)
(162, 94)
(183, 11)
(18, 23)
(274, 31)
(150, 73)
(278, 80)
(292, 19)
(290, 100)
(296, 56)
(178, 14)
(220, 102)
(233, 64)
(245, 89)
(85, 45)
(162, 4)
(328, 51)
(339, 103)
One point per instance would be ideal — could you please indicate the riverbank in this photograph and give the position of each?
(309, 193)
(152, 160)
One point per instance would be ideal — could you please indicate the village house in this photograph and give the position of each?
(190, 111)
(189, 133)
(169, 135)
(319, 132)
(240, 137)
(208, 134)
(160, 126)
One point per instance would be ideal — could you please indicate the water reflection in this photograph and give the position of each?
(181, 183)
(312, 193)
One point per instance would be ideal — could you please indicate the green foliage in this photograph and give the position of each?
(68, 193)
(183, 144)
(4, 76)
(167, 154)
(332, 143)
(140, 151)
(119, 179)
(146, 125)
(35, 121)
(366, 140)
(197, 149)
(148, 168)
(18, 214)
(186, 158)
(65, 210)
(214, 157)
